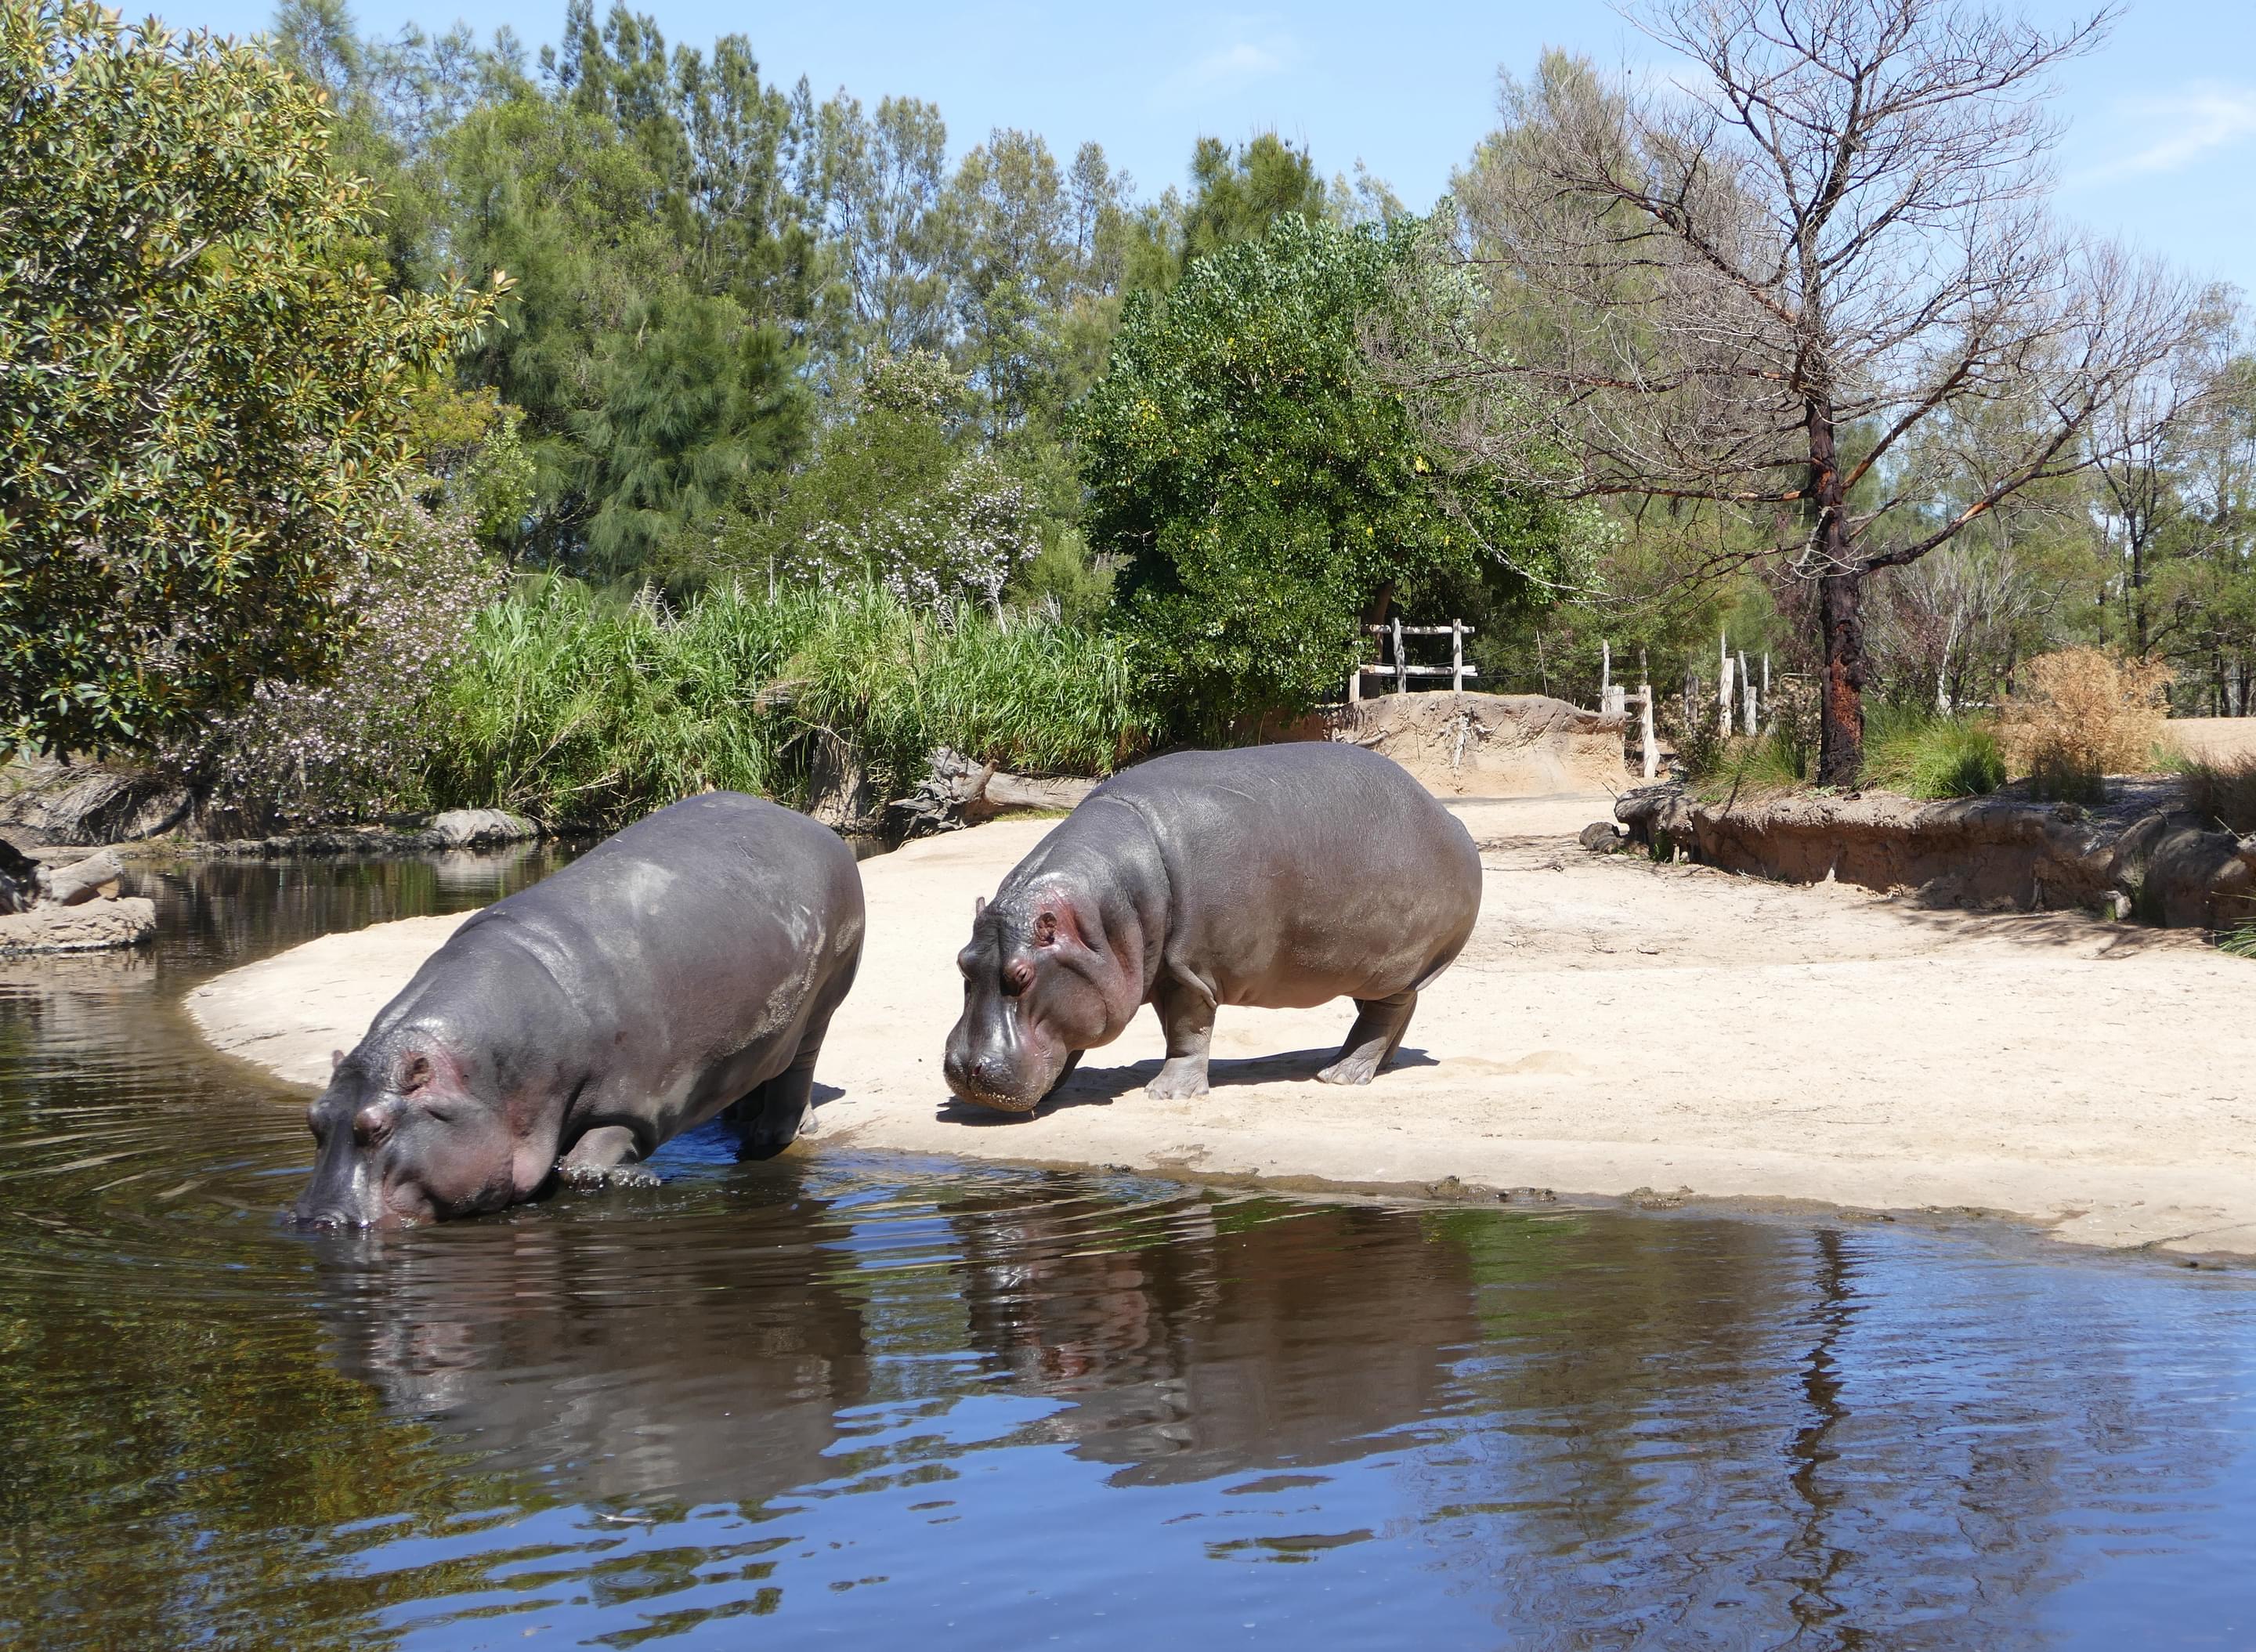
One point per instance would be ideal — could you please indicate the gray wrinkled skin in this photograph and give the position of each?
(688, 966)
(1282, 876)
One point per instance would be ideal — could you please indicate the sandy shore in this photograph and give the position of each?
(1615, 1026)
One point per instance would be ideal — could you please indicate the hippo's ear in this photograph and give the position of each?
(978, 907)
(336, 1060)
(414, 1073)
(1053, 917)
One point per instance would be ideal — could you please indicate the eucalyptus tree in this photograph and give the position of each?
(1752, 286)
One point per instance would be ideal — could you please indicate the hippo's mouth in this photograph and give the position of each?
(996, 1100)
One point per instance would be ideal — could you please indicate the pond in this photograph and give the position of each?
(861, 1400)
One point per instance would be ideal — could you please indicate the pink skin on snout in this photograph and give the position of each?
(414, 1146)
(1034, 997)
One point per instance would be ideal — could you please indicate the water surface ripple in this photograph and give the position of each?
(857, 1400)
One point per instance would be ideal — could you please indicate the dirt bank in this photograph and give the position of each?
(1488, 744)
(1615, 1026)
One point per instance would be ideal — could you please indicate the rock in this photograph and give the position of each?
(84, 804)
(20, 879)
(91, 925)
(95, 876)
(479, 829)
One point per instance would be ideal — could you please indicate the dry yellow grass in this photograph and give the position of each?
(2084, 715)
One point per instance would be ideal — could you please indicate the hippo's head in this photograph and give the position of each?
(1039, 986)
(407, 1132)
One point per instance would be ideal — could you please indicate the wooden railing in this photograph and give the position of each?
(1456, 671)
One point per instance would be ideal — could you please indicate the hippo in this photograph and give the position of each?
(1283, 876)
(686, 968)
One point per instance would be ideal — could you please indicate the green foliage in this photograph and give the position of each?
(1239, 197)
(2240, 942)
(1262, 490)
(575, 707)
(1921, 753)
(203, 404)
(897, 494)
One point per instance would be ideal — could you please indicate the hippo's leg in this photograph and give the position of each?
(769, 1119)
(1379, 1024)
(1186, 1017)
(605, 1157)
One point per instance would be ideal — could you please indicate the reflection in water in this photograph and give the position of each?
(865, 1398)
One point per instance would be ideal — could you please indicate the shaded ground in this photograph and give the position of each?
(1615, 1026)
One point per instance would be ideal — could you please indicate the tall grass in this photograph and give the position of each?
(2222, 793)
(1914, 752)
(1927, 754)
(575, 707)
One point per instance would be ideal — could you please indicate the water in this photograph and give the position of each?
(862, 1400)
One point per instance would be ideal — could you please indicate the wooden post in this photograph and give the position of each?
(1355, 677)
(1747, 680)
(1605, 671)
(1723, 698)
(1456, 656)
(1644, 718)
(1401, 665)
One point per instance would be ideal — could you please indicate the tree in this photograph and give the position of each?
(1237, 197)
(1266, 493)
(882, 182)
(1755, 292)
(204, 402)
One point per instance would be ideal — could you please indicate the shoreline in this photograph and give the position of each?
(1616, 1031)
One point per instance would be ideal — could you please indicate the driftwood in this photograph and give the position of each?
(955, 792)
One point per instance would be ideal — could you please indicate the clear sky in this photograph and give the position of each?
(2161, 148)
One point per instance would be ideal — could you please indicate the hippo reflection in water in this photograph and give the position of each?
(1282, 876)
(687, 967)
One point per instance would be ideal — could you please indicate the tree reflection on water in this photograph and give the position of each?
(856, 1394)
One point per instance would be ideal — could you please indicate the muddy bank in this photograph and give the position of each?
(2142, 856)
(1615, 1026)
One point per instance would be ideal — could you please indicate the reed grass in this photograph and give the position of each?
(577, 707)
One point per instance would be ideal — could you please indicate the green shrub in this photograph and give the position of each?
(1920, 754)
(2241, 942)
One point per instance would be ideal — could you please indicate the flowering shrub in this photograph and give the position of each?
(967, 538)
(353, 746)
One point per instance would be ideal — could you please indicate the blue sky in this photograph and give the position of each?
(2161, 148)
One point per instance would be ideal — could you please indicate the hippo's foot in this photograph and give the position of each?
(1179, 1079)
(1379, 1024)
(1358, 1068)
(590, 1176)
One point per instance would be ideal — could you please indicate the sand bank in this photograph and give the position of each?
(1614, 1026)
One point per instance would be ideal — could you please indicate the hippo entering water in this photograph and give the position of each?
(1282, 876)
(687, 967)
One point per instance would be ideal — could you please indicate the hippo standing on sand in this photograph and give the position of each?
(1282, 876)
(687, 967)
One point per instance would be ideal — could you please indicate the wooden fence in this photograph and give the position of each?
(1456, 671)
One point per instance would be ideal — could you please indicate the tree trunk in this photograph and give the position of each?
(1840, 611)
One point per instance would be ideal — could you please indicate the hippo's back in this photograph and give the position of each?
(1301, 870)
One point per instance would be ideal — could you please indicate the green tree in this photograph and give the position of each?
(1266, 493)
(204, 397)
(1238, 196)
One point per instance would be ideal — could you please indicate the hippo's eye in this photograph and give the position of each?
(314, 1121)
(1017, 976)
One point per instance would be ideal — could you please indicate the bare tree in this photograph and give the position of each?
(1755, 288)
